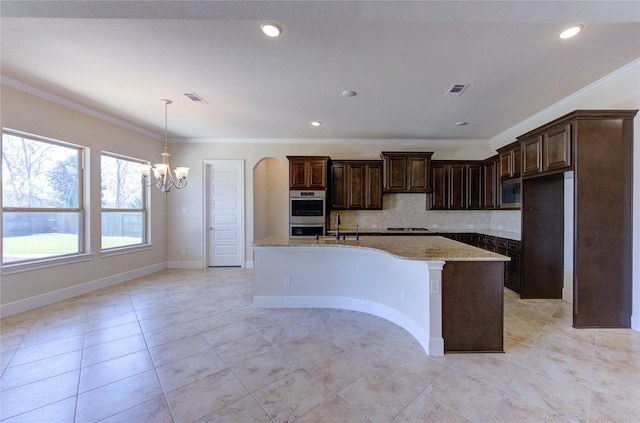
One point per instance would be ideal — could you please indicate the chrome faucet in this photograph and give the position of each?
(338, 227)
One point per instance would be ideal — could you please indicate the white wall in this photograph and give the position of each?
(31, 114)
(270, 198)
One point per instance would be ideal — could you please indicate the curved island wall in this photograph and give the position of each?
(397, 278)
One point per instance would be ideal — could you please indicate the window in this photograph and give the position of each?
(42, 198)
(124, 212)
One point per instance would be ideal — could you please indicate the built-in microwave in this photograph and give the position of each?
(511, 194)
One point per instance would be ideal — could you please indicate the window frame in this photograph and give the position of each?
(47, 261)
(145, 210)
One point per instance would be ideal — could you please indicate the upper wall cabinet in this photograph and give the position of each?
(407, 171)
(356, 185)
(308, 172)
(491, 182)
(548, 151)
(456, 185)
(510, 161)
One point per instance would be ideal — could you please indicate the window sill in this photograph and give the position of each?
(125, 250)
(9, 269)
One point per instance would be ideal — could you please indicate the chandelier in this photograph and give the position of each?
(164, 179)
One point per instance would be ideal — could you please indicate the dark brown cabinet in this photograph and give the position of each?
(356, 185)
(407, 171)
(456, 185)
(475, 186)
(487, 242)
(598, 146)
(547, 152)
(308, 172)
(556, 148)
(532, 155)
(510, 161)
(491, 182)
(510, 248)
(504, 246)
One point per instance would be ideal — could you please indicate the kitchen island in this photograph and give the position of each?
(447, 294)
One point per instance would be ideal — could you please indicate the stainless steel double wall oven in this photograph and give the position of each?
(307, 213)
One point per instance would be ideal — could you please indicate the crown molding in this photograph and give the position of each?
(559, 107)
(75, 106)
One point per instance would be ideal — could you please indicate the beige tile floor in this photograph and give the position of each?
(186, 346)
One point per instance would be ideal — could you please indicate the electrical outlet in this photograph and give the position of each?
(435, 287)
(434, 226)
(374, 226)
(184, 251)
(286, 281)
(403, 295)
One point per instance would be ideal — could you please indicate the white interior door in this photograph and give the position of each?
(226, 239)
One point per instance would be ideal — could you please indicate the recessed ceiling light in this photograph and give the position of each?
(461, 123)
(316, 123)
(571, 32)
(349, 93)
(271, 30)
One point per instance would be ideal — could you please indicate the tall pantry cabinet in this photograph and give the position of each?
(597, 146)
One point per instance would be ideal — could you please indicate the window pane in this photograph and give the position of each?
(28, 236)
(121, 183)
(121, 229)
(37, 174)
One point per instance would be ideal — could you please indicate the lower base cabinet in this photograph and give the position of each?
(508, 247)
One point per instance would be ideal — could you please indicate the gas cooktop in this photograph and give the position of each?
(408, 229)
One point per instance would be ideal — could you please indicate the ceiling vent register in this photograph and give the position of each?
(195, 98)
(457, 89)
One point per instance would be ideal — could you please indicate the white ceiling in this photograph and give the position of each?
(119, 58)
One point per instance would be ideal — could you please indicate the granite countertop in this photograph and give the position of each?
(428, 248)
(492, 232)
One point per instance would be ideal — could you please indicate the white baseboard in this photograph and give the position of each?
(431, 346)
(567, 295)
(185, 265)
(73, 291)
(635, 322)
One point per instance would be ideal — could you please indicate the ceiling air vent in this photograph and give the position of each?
(457, 89)
(195, 98)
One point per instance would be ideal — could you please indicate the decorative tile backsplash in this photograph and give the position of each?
(410, 211)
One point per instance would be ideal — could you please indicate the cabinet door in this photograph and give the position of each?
(457, 186)
(418, 174)
(516, 162)
(532, 156)
(298, 174)
(506, 163)
(474, 186)
(396, 177)
(557, 148)
(308, 172)
(513, 273)
(512, 280)
(317, 174)
(490, 181)
(438, 198)
(355, 186)
(338, 186)
(373, 186)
